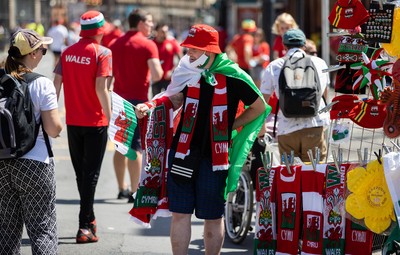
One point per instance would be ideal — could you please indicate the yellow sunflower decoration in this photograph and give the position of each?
(370, 198)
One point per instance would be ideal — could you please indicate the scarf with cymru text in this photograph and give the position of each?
(151, 197)
(242, 141)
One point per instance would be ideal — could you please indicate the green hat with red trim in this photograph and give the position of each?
(92, 23)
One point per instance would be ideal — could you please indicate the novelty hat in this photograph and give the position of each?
(368, 114)
(27, 41)
(249, 25)
(92, 23)
(202, 37)
(350, 49)
(343, 104)
(348, 14)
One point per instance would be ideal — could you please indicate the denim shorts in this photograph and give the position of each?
(136, 142)
(204, 194)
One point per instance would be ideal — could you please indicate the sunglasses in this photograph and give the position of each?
(44, 51)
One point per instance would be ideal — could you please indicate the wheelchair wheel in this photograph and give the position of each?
(239, 209)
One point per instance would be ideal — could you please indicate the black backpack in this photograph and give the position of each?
(299, 88)
(19, 129)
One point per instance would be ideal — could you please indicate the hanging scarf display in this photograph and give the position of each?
(312, 184)
(151, 198)
(288, 197)
(358, 239)
(265, 233)
(334, 209)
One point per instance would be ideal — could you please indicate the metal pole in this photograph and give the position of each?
(325, 29)
(267, 19)
(37, 12)
(12, 20)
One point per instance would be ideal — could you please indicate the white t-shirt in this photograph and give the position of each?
(270, 83)
(59, 34)
(44, 98)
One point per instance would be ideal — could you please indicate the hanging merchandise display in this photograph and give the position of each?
(370, 199)
(265, 237)
(350, 51)
(315, 194)
(334, 211)
(371, 72)
(312, 185)
(378, 28)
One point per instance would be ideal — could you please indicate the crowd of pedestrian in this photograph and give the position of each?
(208, 85)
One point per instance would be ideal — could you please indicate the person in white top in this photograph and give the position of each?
(59, 33)
(28, 183)
(297, 134)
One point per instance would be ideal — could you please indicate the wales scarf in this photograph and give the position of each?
(185, 75)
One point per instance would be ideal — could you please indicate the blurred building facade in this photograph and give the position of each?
(178, 14)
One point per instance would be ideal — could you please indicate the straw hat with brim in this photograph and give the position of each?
(92, 23)
(27, 41)
(203, 37)
(249, 25)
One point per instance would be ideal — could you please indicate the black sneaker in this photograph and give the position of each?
(123, 194)
(131, 199)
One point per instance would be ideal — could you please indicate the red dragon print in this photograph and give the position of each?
(123, 123)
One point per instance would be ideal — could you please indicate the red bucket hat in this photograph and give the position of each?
(369, 114)
(343, 105)
(348, 14)
(203, 37)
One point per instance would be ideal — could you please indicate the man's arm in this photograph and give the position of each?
(58, 84)
(155, 69)
(251, 113)
(103, 96)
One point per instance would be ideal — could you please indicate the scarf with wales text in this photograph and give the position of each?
(218, 128)
(241, 141)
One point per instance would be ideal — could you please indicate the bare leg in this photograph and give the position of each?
(134, 168)
(119, 168)
(213, 236)
(180, 233)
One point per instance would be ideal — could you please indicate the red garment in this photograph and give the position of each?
(111, 36)
(80, 65)
(288, 196)
(262, 49)
(167, 49)
(312, 185)
(238, 43)
(278, 46)
(273, 101)
(130, 55)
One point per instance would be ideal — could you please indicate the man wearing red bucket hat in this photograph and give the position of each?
(207, 150)
(84, 69)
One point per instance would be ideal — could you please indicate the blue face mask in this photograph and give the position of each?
(201, 61)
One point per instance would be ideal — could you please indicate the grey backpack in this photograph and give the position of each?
(299, 87)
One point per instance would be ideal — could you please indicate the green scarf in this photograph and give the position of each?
(241, 141)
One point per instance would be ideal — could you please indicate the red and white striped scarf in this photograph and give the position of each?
(218, 127)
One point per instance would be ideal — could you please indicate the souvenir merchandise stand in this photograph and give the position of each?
(348, 204)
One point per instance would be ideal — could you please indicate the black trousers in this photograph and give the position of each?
(87, 146)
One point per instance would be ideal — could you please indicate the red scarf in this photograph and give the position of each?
(218, 128)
